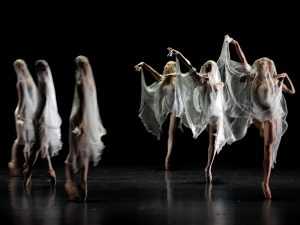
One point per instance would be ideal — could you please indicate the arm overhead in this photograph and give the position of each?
(186, 62)
(239, 51)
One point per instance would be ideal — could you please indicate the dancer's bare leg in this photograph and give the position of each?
(84, 177)
(28, 171)
(18, 143)
(13, 164)
(70, 186)
(174, 121)
(51, 171)
(213, 133)
(269, 138)
(259, 125)
(26, 155)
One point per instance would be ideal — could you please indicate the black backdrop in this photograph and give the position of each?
(115, 39)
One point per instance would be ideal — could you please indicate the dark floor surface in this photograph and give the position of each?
(149, 195)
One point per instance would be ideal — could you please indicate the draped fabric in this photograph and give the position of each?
(200, 104)
(254, 92)
(47, 117)
(26, 106)
(85, 115)
(157, 101)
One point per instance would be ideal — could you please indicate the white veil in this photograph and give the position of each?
(197, 103)
(90, 141)
(47, 112)
(157, 101)
(30, 96)
(259, 96)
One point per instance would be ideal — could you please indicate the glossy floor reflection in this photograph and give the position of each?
(145, 195)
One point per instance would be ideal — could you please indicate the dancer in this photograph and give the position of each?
(257, 94)
(85, 130)
(27, 101)
(157, 102)
(47, 124)
(200, 96)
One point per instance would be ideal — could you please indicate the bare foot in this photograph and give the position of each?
(72, 191)
(13, 169)
(266, 190)
(208, 175)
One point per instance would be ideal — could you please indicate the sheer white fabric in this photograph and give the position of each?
(200, 104)
(47, 113)
(85, 141)
(157, 101)
(24, 113)
(254, 92)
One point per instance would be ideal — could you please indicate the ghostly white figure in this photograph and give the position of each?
(47, 123)
(27, 101)
(157, 102)
(85, 130)
(256, 93)
(200, 103)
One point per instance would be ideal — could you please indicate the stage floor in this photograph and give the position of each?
(149, 195)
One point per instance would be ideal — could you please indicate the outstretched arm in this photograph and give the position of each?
(155, 74)
(287, 87)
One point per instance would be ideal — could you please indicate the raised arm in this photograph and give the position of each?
(239, 51)
(181, 58)
(243, 60)
(185, 61)
(155, 74)
(287, 85)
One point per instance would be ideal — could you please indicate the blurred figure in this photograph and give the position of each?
(85, 130)
(27, 101)
(47, 124)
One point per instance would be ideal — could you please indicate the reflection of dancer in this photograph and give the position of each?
(80, 210)
(169, 189)
(157, 103)
(19, 201)
(27, 209)
(47, 124)
(216, 210)
(260, 98)
(27, 100)
(85, 130)
(269, 216)
(266, 219)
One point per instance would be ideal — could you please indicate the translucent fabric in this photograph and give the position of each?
(199, 102)
(86, 127)
(47, 117)
(24, 112)
(254, 92)
(157, 101)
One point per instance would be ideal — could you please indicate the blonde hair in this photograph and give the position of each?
(169, 64)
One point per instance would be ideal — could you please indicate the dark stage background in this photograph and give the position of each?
(114, 40)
